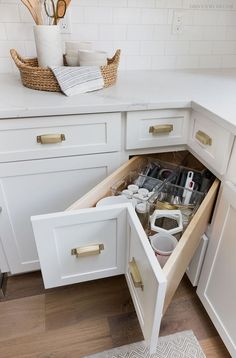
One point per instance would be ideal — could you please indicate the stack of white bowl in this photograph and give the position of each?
(82, 54)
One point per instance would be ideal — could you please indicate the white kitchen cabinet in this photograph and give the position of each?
(160, 128)
(86, 243)
(217, 285)
(42, 186)
(57, 136)
(210, 142)
(3, 260)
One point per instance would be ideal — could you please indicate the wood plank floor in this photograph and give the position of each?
(82, 319)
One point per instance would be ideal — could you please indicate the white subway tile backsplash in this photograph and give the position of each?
(5, 65)
(224, 47)
(216, 33)
(162, 32)
(19, 31)
(113, 32)
(163, 62)
(152, 48)
(126, 15)
(187, 62)
(112, 3)
(229, 61)
(205, 18)
(192, 33)
(9, 13)
(227, 18)
(202, 47)
(87, 3)
(143, 29)
(157, 16)
(98, 15)
(5, 47)
(231, 33)
(142, 3)
(138, 62)
(210, 61)
(140, 32)
(169, 4)
(30, 50)
(128, 47)
(3, 34)
(77, 15)
(85, 32)
(177, 48)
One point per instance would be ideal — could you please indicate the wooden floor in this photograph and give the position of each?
(82, 319)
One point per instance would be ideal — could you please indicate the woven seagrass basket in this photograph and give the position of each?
(43, 79)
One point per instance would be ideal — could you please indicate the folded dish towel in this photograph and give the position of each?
(76, 80)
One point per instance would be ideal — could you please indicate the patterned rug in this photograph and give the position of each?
(179, 345)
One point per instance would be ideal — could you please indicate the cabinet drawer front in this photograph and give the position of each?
(210, 142)
(80, 246)
(38, 187)
(147, 129)
(46, 137)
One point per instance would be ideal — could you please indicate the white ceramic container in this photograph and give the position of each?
(72, 60)
(48, 45)
(72, 47)
(92, 58)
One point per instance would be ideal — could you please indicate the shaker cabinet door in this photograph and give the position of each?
(83, 245)
(40, 187)
(146, 281)
(88, 244)
(217, 285)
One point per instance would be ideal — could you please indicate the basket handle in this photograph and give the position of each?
(19, 61)
(115, 58)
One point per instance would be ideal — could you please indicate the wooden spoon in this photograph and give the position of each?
(35, 4)
(31, 10)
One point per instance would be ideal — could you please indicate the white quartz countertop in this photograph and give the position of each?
(212, 92)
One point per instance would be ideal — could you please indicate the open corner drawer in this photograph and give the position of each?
(87, 242)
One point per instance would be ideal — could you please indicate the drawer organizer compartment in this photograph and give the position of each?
(165, 196)
(115, 241)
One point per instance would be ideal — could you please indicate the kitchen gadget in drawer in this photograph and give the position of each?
(159, 128)
(211, 142)
(47, 137)
(89, 242)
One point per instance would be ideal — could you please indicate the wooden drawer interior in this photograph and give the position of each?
(177, 264)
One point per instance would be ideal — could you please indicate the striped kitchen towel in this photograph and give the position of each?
(76, 80)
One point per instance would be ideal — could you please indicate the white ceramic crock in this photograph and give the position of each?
(48, 45)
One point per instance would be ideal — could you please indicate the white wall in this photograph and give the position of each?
(141, 28)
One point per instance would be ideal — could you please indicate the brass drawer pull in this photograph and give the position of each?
(161, 128)
(50, 138)
(203, 138)
(135, 274)
(89, 250)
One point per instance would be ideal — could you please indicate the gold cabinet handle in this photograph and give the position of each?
(135, 274)
(87, 250)
(50, 138)
(203, 138)
(161, 128)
